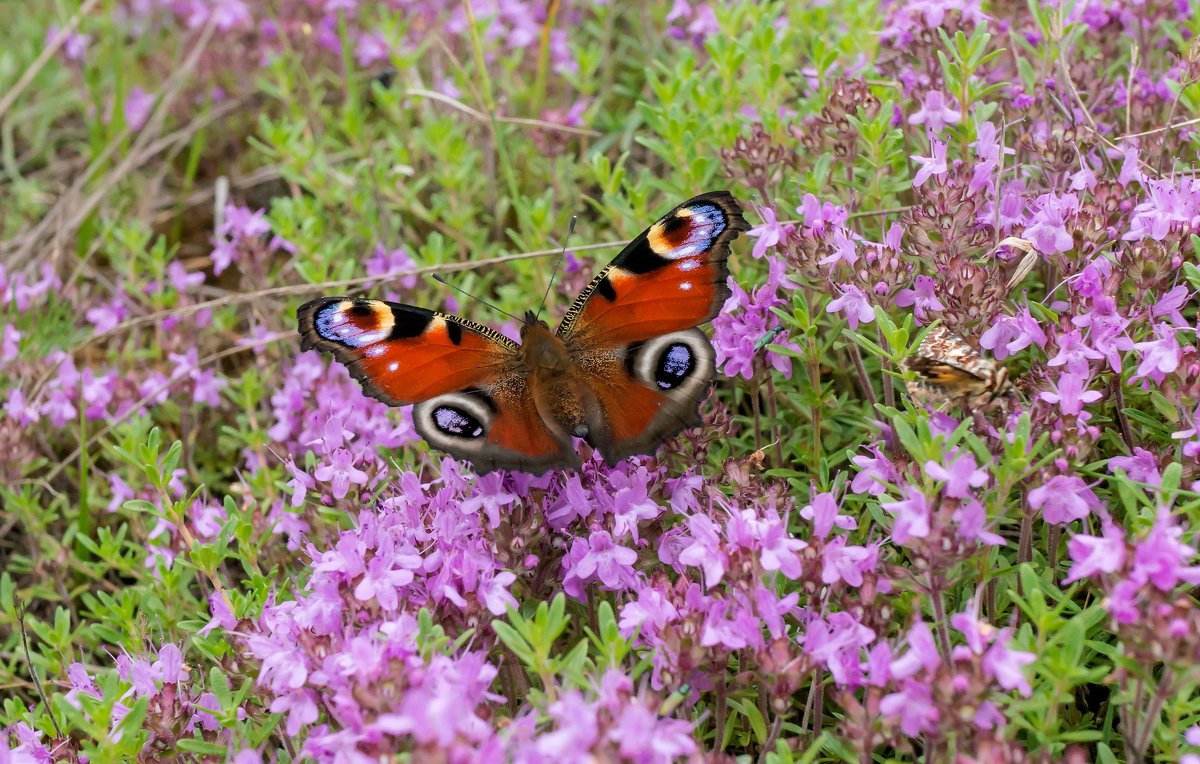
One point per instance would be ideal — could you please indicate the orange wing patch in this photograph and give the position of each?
(402, 354)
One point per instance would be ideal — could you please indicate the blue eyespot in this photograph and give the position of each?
(456, 422)
(674, 366)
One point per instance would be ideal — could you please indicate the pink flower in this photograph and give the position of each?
(769, 234)
(136, 107)
(914, 705)
(854, 304)
(934, 164)
(340, 472)
(935, 113)
(1063, 498)
(1004, 665)
(1071, 394)
(371, 48)
(912, 515)
(1160, 357)
(922, 296)
(1011, 334)
(959, 475)
(1048, 231)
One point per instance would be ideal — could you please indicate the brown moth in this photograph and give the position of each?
(950, 371)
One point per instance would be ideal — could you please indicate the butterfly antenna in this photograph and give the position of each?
(554, 273)
(440, 280)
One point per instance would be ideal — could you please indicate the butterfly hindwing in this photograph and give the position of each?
(648, 392)
(472, 400)
(632, 331)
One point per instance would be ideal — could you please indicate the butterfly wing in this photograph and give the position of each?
(949, 370)
(632, 332)
(472, 400)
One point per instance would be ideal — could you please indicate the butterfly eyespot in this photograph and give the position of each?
(455, 419)
(456, 422)
(673, 363)
(674, 366)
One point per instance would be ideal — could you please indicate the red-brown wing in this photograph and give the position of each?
(472, 399)
(670, 278)
(632, 332)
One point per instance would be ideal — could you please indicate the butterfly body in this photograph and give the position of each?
(625, 370)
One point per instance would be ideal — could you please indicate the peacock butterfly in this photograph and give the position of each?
(625, 370)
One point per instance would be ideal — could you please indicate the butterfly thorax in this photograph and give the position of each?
(562, 401)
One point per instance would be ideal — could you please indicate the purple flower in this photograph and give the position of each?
(490, 497)
(224, 14)
(922, 653)
(935, 113)
(1191, 449)
(576, 732)
(1048, 230)
(10, 346)
(843, 250)
(1063, 498)
(959, 476)
(1071, 394)
(1142, 467)
(912, 515)
(779, 548)
(914, 705)
(705, 550)
(1011, 334)
(136, 107)
(243, 223)
(972, 524)
(340, 472)
(1169, 304)
(179, 278)
(922, 296)
(1161, 558)
(1004, 665)
(1074, 353)
(300, 708)
(224, 253)
(1160, 357)
(934, 164)
(602, 559)
(644, 738)
(1130, 167)
(371, 47)
(823, 512)
(875, 472)
(650, 612)
(769, 234)
(107, 315)
(817, 215)
(387, 262)
(300, 483)
(854, 304)
(845, 562)
(745, 319)
(75, 44)
(222, 616)
(1170, 204)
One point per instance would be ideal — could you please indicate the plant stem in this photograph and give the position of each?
(863, 379)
